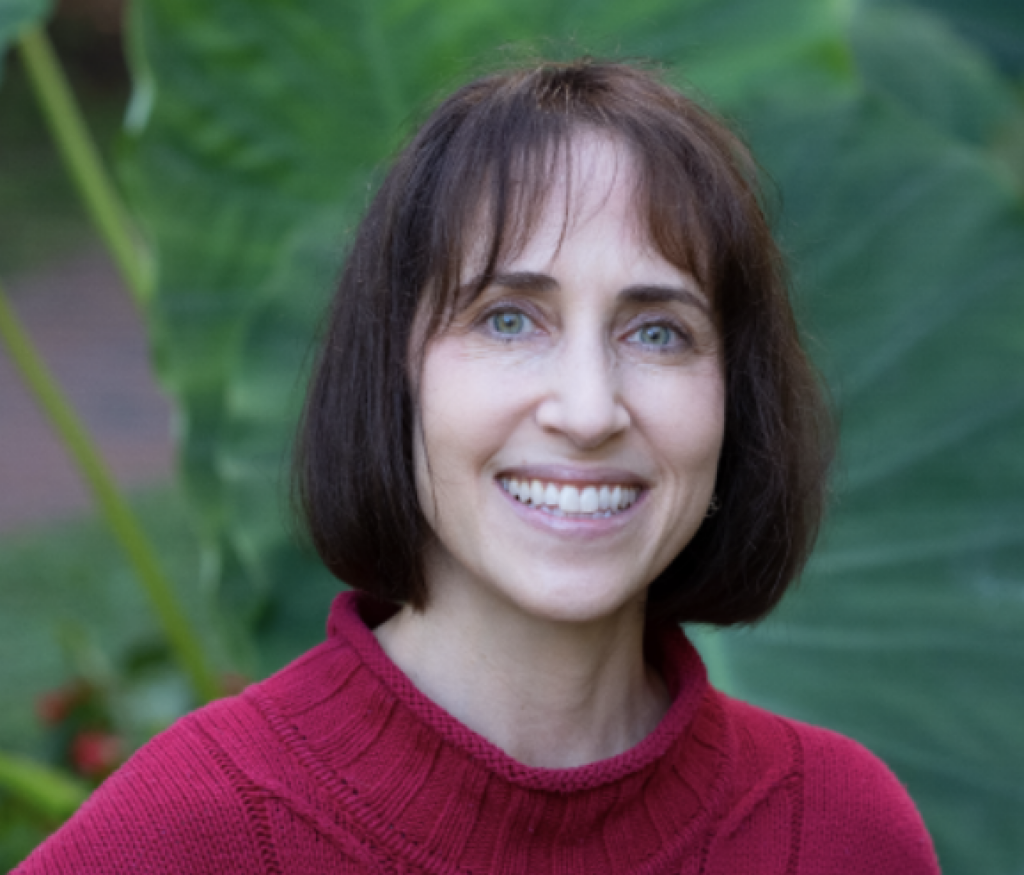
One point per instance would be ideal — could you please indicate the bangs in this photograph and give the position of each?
(498, 172)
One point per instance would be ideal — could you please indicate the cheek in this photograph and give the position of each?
(467, 408)
(683, 417)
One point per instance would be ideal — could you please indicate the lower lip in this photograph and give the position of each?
(574, 526)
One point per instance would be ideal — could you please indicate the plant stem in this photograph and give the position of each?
(112, 504)
(82, 160)
(51, 792)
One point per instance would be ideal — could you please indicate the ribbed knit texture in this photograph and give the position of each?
(337, 764)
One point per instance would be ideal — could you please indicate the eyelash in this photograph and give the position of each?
(682, 337)
(486, 320)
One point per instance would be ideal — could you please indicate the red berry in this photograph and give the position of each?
(55, 706)
(96, 753)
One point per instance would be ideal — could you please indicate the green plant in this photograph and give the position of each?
(896, 146)
(111, 220)
(29, 788)
(73, 619)
(70, 607)
(41, 217)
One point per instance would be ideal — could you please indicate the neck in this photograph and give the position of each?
(550, 694)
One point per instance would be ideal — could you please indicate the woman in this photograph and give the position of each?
(560, 407)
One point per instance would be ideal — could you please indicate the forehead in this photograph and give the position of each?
(591, 177)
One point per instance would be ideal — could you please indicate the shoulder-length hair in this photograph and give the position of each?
(478, 169)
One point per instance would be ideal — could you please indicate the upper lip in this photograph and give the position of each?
(572, 475)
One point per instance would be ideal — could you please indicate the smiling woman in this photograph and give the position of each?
(588, 362)
(560, 407)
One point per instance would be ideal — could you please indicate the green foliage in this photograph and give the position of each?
(77, 612)
(93, 726)
(895, 143)
(111, 503)
(18, 247)
(995, 25)
(82, 161)
(49, 791)
(40, 216)
(83, 164)
(81, 655)
(906, 632)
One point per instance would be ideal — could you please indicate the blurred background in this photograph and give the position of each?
(171, 289)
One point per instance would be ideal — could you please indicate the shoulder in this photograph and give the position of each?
(175, 806)
(859, 817)
(183, 803)
(851, 813)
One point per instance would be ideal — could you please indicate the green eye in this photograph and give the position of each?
(509, 323)
(656, 335)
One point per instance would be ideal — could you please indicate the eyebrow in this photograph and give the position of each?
(644, 293)
(658, 294)
(525, 281)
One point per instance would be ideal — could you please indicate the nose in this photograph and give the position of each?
(583, 399)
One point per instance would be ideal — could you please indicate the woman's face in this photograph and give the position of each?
(571, 416)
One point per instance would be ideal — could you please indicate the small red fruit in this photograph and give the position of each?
(96, 754)
(54, 707)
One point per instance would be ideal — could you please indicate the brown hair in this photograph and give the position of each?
(492, 146)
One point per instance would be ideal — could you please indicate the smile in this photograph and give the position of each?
(591, 502)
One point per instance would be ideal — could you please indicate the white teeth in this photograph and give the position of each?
(561, 500)
(569, 501)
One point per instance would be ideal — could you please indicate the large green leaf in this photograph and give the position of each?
(917, 59)
(908, 240)
(996, 25)
(893, 144)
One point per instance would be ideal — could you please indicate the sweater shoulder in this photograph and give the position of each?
(860, 818)
(854, 815)
(178, 805)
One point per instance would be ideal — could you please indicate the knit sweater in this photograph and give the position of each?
(338, 764)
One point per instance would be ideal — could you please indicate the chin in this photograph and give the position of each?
(580, 597)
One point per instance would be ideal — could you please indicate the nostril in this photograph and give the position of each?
(586, 420)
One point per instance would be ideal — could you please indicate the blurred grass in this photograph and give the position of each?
(70, 606)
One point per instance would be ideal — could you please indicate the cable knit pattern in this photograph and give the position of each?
(339, 764)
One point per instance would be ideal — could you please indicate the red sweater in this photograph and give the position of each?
(337, 764)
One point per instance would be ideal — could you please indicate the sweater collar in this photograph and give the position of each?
(444, 793)
(352, 616)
